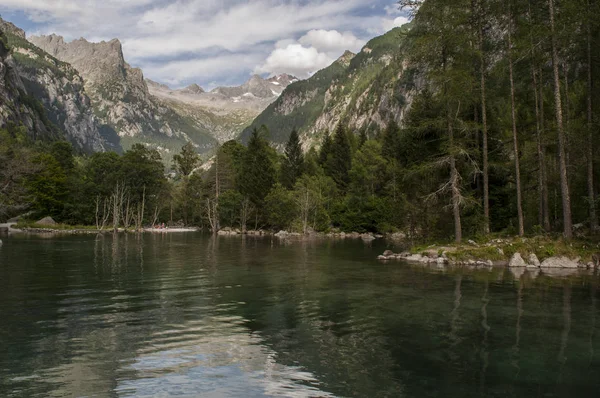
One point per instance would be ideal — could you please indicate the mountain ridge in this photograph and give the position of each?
(363, 91)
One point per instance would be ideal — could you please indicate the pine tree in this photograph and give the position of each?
(325, 149)
(186, 161)
(339, 162)
(258, 172)
(293, 162)
(389, 148)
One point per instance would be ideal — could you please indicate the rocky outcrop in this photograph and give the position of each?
(121, 99)
(44, 95)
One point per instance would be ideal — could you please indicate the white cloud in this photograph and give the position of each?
(175, 73)
(389, 24)
(331, 40)
(181, 41)
(295, 59)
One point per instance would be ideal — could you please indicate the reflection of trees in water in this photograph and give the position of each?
(564, 338)
(593, 294)
(485, 356)
(156, 305)
(520, 312)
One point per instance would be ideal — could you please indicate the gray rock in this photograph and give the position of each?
(367, 237)
(559, 262)
(282, 234)
(533, 260)
(517, 261)
(388, 253)
(47, 221)
(416, 258)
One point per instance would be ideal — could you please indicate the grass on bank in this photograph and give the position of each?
(503, 248)
(57, 227)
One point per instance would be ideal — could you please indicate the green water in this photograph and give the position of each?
(192, 316)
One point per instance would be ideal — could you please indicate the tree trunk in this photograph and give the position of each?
(514, 128)
(564, 182)
(545, 192)
(486, 178)
(454, 182)
(590, 135)
(543, 217)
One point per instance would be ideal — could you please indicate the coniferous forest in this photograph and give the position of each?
(499, 137)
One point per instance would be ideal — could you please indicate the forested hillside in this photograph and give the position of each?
(362, 91)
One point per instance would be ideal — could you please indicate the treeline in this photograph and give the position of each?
(40, 179)
(504, 122)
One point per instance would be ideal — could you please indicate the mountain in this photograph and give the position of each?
(120, 97)
(46, 96)
(363, 91)
(224, 111)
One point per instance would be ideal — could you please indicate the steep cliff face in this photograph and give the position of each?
(46, 95)
(362, 91)
(121, 99)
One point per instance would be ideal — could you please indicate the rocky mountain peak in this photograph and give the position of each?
(96, 62)
(8, 27)
(346, 58)
(193, 89)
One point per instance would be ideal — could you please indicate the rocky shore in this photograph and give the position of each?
(296, 235)
(505, 253)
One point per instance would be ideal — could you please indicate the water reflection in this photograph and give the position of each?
(193, 315)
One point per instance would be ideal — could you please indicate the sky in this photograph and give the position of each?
(214, 42)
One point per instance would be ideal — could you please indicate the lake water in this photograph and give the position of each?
(190, 315)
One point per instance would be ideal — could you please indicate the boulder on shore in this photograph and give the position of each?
(47, 221)
(534, 261)
(517, 261)
(560, 262)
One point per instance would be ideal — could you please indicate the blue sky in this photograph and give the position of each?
(214, 42)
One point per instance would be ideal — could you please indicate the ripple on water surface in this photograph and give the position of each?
(190, 315)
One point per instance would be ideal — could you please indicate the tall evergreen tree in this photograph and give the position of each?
(293, 162)
(389, 148)
(258, 172)
(186, 161)
(325, 149)
(339, 162)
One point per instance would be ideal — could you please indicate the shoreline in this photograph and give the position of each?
(537, 253)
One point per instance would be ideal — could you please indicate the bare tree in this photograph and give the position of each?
(245, 210)
(102, 213)
(118, 199)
